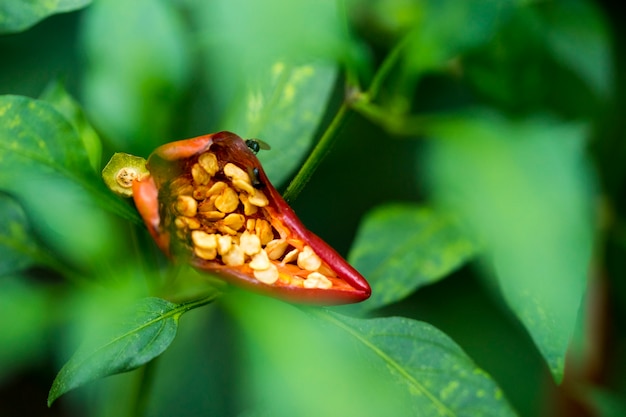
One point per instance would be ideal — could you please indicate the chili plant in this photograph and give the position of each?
(359, 208)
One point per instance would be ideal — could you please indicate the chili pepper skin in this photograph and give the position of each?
(154, 197)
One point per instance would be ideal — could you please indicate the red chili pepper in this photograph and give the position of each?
(208, 200)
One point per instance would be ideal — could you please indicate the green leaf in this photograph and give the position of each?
(18, 245)
(35, 137)
(283, 107)
(133, 84)
(26, 312)
(326, 364)
(37, 142)
(45, 166)
(438, 34)
(448, 28)
(312, 365)
(401, 247)
(440, 379)
(120, 333)
(278, 92)
(389, 19)
(555, 55)
(525, 189)
(605, 403)
(56, 95)
(577, 34)
(16, 16)
(144, 333)
(283, 28)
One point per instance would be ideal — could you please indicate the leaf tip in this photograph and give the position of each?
(54, 393)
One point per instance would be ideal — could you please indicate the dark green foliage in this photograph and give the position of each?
(503, 115)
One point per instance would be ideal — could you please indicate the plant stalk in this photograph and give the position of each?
(147, 372)
(355, 100)
(317, 155)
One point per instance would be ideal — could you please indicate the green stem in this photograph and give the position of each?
(145, 378)
(145, 382)
(319, 152)
(395, 123)
(185, 307)
(351, 74)
(354, 100)
(387, 65)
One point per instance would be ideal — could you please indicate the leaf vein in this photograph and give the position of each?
(390, 361)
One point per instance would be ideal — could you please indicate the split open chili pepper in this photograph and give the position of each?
(208, 200)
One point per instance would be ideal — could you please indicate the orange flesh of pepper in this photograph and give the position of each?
(154, 200)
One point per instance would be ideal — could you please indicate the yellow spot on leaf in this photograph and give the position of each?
(14, 122)
(298, 76)
(277, 69)
(4, 109)
(255, 106)
(288, 94)
(449, 389)
(302, 73)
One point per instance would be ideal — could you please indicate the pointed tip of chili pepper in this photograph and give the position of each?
(199, 197)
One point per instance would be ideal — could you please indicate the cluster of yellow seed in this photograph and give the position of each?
(222, 215)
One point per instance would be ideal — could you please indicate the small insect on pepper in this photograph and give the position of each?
(200, 202)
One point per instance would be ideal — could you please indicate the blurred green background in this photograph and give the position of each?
(549, 76)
